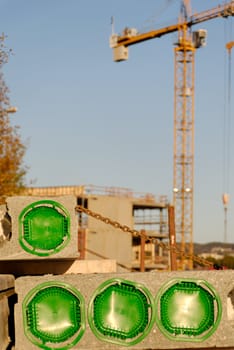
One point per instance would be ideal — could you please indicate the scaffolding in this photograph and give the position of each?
(144, 212)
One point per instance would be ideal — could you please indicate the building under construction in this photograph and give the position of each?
(104, 236)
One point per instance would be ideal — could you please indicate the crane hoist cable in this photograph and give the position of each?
(159, 12)
(227, 137)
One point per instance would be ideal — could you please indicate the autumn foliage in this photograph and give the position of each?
(12, 150)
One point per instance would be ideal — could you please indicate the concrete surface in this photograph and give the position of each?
(221, 281)
(56, 266)
(6, 289)
(12, 250)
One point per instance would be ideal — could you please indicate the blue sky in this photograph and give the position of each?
(88, 120)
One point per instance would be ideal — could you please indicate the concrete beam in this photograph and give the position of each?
(209, 297)
(10, 247)
(56, 266)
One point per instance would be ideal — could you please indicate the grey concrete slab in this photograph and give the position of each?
(6, 289)
(4, 330)
(11, 249)
(6, 282)
(220, 282)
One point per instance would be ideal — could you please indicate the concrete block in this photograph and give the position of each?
(6, 282)
(40, 228)
(56, 266)
(4, 330)
(197, 308)
(92, 266)
(6, 290)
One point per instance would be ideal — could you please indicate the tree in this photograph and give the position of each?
(228, 261)
(12, 150)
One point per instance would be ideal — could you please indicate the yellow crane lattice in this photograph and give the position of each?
(183, 160)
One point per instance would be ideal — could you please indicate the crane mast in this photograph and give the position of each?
(183, 149)
(183, 158)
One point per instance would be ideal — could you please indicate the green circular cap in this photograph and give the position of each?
(44, 228)
(54, 315)
(188, 310)
(121, 312)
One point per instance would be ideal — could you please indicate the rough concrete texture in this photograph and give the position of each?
(6, 283)
(12, 250)
(2, 213)
(4, 314)
(221, 281)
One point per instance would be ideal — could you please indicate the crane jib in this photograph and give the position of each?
(127, 39)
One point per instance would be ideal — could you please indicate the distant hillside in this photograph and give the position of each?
(200, 248)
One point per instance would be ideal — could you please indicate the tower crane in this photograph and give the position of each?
(183, 159)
